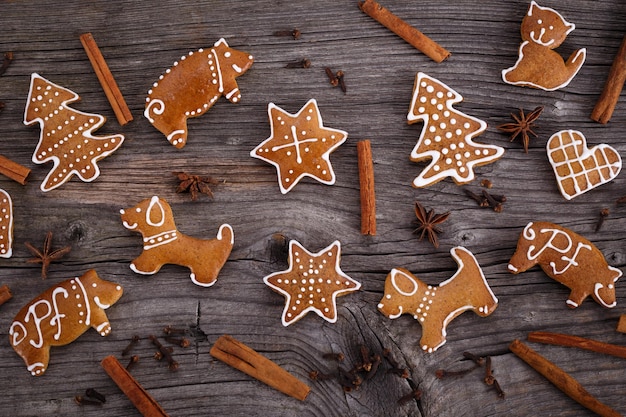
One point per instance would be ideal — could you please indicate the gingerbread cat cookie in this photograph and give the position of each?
(192, 86)
(569, 259)
(164, 244)
(539, 66)
(6, 225)
(60, 315)
(434, 307)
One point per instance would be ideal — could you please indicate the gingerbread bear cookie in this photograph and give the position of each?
(436, 306)
(164, 244)
(539, 66)
(66, 134)
(312, 283)
(60, 315)
(299, 145)
(192, 86)
(569, 259)
(579, 169)
(6, 225)
(447, 134)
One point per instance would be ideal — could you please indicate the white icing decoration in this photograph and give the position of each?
(570, 261)
(154, 202)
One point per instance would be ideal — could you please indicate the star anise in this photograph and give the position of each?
(195, 184)
(428, 223)
(46, 256)
(522, 126)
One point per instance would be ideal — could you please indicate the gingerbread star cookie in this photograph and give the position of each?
(299, 145)
(447, 134)
(312, 283)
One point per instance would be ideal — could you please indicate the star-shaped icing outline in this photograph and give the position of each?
(297, 251)
(276, 115)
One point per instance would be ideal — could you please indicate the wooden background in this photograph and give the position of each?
(141, 39)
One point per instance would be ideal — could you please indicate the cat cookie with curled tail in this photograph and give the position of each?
(192, 85)
(164, 244)
(569, 259)
(60, 315)
(543, 29)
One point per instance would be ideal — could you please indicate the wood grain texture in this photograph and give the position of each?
(141, 39)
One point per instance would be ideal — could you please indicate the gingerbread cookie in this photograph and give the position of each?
(447, 134)
(299, 145)
(312, 283)
(66, 134)
(579, 169)
(436, 306)
(544, 29)
(569, 259)
(6, 225)
(60, 315)
(192, 86)
(164, 244)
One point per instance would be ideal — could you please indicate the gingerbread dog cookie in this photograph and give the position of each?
(6, 225)
(569, 259)
(436, 306)
(60, 315)
(579, 169)
(544, 29)
(312, 283)
(66, 134)
(447, 134)
(192, 86)
(164, 244)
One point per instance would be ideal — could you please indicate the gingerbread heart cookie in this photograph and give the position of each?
(578, 168)
(6, 225)
(447, 134)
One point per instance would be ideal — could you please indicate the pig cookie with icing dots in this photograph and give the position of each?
(569, 259)
(60, 315)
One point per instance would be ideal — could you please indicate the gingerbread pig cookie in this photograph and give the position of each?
(164, 244)
(578, 168)
(66, 134)
(569, 259)
(6, 225)
(539, 66)
(436, 306)
(447, 134)
(192, 86)
(299, 146)
(312, 283)
(60, 315)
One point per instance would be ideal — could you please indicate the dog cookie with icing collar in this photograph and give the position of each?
(60, 315)
(6, 225)
(192, 86)
(539, 66)
(434, 307)
(164, 244)
(568, 258)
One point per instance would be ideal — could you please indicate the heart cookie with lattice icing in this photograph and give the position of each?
(578, 168)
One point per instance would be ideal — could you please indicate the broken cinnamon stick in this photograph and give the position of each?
(605, 106)
(140, 398)
(5, 294)
(560, 339)
(366, 181)
(112, 91)
(13, 170)
(561, 379)
(239, 356)
(407, 32)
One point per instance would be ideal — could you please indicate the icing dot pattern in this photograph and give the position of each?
(6, 225)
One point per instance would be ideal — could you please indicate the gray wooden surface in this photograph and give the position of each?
(141, 39)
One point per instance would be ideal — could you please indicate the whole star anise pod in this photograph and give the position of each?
(46, 256)
(428, 223)
(522, 126)
(195, 184)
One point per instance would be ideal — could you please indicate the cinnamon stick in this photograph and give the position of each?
(605, 106)
(13, 170)
(112, 91)
(407, 32)
(239, 356)
(146, 405)
(366, 181)
(621, 325)
(561, 379)
(5, 294)
(560, 339)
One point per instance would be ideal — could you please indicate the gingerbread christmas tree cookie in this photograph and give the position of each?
(299, 145)
(447, 135)
(66, 134)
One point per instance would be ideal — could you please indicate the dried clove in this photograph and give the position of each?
(416, 395)
(339, 357)
(604, 213)
(182, 342)
(169, 330)
(303, 63)
(135, 339)
(493, 203)
(164, 352)
(320, 376)
(131, 362)
(80, 400)
(374, 364)
(442, 373)
(342, 83)
(486, 183)
(92, 393)
(478, 360)
(395, 367)
(482, 202)
(489, 378)
(295, 33)
(332, 78)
